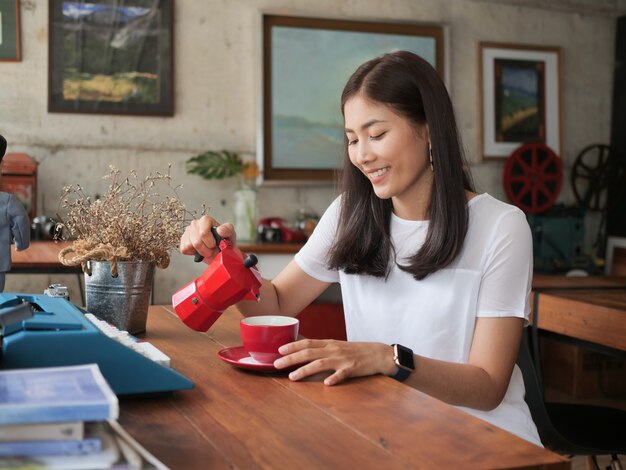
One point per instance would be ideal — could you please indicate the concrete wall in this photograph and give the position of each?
(217, 44)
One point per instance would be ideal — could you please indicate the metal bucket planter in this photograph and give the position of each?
(122, 301)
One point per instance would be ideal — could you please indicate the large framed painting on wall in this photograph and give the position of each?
(112, 57)
(10, 50)
(306, 62)
(520, 89)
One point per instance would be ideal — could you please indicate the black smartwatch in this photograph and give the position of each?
(403, 357)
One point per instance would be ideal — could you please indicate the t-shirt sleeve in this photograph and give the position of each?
(507, 275)
(312, 257)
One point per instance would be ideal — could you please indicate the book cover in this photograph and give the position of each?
(43, 432)
(56, 394)
(88, 445)
(107, 457)
(119, 450)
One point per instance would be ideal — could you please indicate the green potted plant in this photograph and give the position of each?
(214, 165)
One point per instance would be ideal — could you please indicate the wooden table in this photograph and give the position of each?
(590, 310)
(42, 257)
(595, 316)
(239, 419)
(544, 282)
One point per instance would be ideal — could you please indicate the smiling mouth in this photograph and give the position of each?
(377, 173)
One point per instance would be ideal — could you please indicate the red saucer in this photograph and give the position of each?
(238, 357)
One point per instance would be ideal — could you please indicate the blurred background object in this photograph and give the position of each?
(278, 230)
(44, 228)
(18, 176)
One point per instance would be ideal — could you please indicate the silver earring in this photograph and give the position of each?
(430, 156)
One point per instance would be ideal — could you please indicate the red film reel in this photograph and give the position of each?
(533, 177)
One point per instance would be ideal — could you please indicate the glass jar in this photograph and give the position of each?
(245, 214)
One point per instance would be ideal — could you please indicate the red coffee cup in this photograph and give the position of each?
(263, 335)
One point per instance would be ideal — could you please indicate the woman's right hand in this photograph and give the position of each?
(198, 238)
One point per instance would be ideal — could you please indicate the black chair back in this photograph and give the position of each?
(549, 434)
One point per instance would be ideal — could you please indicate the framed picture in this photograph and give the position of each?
(520, 90)
(615, 263)
(10, 47)
(111, 57)
(306, 62)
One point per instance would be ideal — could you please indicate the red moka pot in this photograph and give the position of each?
(229, 278)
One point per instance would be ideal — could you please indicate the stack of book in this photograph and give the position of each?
(65, 418)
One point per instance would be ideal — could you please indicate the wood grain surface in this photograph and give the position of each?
(270, 248)
(598, 316)
(40, 254)
(242, 419)
(544, 281)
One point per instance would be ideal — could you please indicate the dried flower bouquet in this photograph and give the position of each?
(133, 221)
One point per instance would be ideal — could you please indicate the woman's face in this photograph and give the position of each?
(391, 153)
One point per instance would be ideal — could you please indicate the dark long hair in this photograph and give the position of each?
(412, 88)
(3, 147)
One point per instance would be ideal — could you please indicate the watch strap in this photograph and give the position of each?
(402, 374)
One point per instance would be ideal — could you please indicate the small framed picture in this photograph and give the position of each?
(520, 97)
(10, 47)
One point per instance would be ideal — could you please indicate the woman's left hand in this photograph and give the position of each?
(347, 359)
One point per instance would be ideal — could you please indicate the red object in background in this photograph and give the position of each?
(19, 177)
(229, 278)
(533, 177)
(268, 227)
(323, 321)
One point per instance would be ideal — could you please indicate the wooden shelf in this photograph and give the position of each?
(271, 248)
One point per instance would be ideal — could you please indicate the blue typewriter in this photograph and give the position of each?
(45, 331)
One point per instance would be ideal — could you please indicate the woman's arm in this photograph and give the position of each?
(480, 384)
(287, 294)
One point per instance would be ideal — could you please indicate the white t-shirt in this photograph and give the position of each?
(435, 317)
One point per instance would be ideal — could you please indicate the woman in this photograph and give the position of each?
(429, 270)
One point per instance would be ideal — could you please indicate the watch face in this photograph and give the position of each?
(405, 356)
